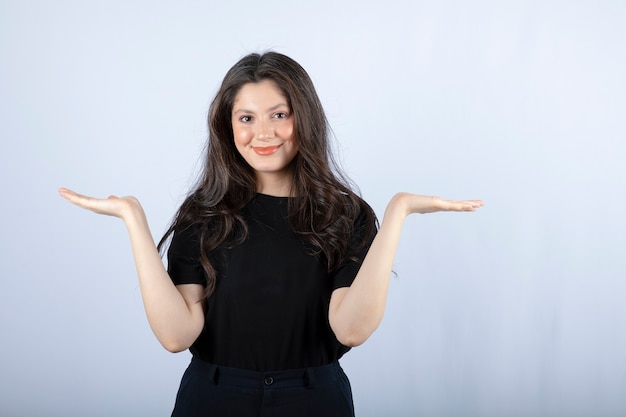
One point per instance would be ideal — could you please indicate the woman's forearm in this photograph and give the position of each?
(174, 313)
(360, 308)
(175, 321)
(355, 312)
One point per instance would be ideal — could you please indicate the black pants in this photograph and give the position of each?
(210, 390)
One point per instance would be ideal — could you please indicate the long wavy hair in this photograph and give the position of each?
(324, 207)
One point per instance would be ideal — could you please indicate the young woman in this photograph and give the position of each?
(275, 267)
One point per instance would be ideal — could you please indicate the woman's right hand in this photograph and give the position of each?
(175, 314)
(122, 207)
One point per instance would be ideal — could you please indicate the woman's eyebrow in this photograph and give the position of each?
(277, 106)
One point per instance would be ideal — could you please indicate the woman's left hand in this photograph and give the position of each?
(413, 203)
(356, 311)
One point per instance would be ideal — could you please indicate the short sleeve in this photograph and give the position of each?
(361, 238)
(183, 257)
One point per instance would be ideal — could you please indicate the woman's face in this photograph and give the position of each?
(263, 129)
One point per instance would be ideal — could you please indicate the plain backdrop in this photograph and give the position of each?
(516, 310)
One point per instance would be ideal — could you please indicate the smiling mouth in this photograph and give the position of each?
(265, 150)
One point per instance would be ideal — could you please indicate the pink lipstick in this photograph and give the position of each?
(265, 150)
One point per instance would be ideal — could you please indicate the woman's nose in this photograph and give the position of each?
(265, 130)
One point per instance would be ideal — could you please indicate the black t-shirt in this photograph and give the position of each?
(269, 310)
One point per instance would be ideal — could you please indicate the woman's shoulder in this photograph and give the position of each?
(364, 213)
(185, 238)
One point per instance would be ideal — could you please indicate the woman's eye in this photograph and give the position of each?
(280, 115)
(245, 119)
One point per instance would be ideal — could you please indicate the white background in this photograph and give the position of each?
(517, 310)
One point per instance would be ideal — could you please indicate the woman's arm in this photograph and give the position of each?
(175, 313)
(356, 311)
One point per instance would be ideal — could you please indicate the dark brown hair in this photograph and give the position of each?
(325, 207)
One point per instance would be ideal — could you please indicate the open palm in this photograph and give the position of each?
(414, 203)
(112, 206)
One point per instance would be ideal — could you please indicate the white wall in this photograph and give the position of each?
(517, 310)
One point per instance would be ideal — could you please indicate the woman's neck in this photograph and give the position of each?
(274, 185)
